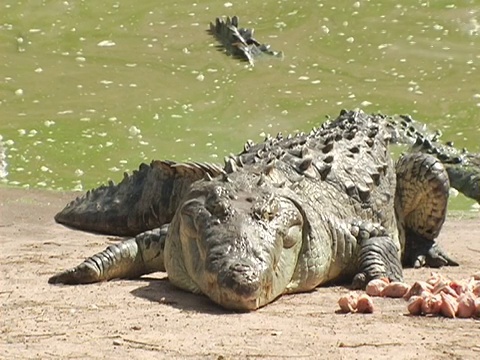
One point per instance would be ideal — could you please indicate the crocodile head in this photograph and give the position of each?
(235, 241)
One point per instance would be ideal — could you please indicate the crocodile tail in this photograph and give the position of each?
(406, 131)
(463, 168)
(465, 179)
(142, 201)
(226, 32)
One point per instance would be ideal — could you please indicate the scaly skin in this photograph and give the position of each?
(239, 42)
(129, 259)
(286, 216)
(145, 200)
(463, 167)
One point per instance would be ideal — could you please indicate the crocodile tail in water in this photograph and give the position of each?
(239, 42)
(142, 201)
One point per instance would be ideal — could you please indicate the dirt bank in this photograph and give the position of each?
(148, 318)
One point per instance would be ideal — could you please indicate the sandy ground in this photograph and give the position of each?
(149, 318)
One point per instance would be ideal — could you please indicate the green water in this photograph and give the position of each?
(89, 90)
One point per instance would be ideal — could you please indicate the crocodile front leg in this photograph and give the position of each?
(128, 259)
(421, 205)
(378, 255)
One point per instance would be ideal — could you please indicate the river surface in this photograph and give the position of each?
(89, 90)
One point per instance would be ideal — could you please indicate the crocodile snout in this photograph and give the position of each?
(241, 279)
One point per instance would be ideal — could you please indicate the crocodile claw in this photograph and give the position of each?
(430, 254)
(82, 274)
(435, 257)
(359, 281)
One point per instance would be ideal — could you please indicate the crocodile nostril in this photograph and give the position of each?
(242, 278)
(242, 269)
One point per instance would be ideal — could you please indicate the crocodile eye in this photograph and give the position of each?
(218, 203)
(270, 213)
(266, 210)
(190, 211)
(220, 209)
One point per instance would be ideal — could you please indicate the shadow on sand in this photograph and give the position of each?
(162, 291)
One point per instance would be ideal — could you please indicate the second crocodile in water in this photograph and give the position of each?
(283, 216)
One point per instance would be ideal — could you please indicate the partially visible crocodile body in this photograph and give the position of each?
(463, 167)
(283, 216)
(239, 42)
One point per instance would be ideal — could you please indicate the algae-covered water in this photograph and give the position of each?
(89, 90)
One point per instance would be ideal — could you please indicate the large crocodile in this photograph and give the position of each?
(283, 216)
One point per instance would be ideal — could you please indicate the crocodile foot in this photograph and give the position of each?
(378, 257)
(82, 274)
(424, 252)
(420, 252)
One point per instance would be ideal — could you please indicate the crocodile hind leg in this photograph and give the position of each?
(129, 259)
(421, 204)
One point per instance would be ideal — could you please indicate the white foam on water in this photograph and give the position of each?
(3, 160)
(106, 43)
